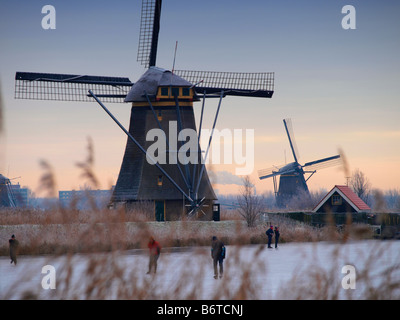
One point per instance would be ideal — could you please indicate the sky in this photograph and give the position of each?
(339, 86)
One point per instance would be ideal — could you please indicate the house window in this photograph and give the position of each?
(160, 181)
(336, 200)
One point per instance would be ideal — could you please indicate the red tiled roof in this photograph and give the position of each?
(353, 198)
(347, 193)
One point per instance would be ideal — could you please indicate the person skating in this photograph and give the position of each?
(154, 254)
(13, 244)
(270, 233)
(218, 256)
(277, 235)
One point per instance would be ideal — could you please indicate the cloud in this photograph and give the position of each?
(378, 134)
(225, 177)
(270, 139)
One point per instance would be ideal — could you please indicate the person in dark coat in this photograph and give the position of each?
(270, 233)
(277, 234)
(218, 256)
(154, 251)
(13, 244)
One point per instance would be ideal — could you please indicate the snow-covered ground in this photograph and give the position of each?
(294, 270)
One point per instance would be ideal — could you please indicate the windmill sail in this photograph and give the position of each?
(292, 141)
(259, 84)
(149, 30)
(69, 87)
(323, 163)
(270, 172)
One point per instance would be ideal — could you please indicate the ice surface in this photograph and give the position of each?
(294, 270)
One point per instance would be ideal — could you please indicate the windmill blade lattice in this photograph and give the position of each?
(67, 87)
(269, 172)
(259, 84)
(149, 30)
(292, 141)
(323, 163)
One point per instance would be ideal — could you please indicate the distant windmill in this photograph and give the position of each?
(7, 196)
(292, 181)
(159, 98)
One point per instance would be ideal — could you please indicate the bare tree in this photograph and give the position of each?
(360, 185)
(303, 200)
(396, 207)
(392, 197)
(250, 204)
(380, 204)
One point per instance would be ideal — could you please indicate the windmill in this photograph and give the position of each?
(292, 179)
(7, 196)
(159, 98)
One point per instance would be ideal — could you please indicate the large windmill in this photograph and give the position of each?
(159, 98)
(292, 180)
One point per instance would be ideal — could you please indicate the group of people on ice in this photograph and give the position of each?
(270, 233)
(218, 251)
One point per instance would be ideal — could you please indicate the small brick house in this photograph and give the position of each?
(341, 199)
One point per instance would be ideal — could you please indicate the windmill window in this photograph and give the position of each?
(186, 92)
(160, 181)
(175, 92)
(336, 200)
(165, 91)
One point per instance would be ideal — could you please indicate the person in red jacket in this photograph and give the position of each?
(154, 250)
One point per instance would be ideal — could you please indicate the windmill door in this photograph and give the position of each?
(160, 210)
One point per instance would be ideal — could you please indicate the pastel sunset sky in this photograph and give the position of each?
(340, 87)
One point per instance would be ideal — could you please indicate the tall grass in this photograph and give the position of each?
(104, 237)
(74, 231)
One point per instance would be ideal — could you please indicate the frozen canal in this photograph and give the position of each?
(295, 270)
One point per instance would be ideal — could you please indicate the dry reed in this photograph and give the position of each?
(104, 236)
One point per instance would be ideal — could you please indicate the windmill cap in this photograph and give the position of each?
(3, 179)
(154, 78)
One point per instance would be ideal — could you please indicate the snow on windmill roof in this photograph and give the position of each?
(3, 179)
(358, 204)
(153, 78)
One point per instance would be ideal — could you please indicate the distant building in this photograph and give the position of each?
(341, 199)
(83, 199)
